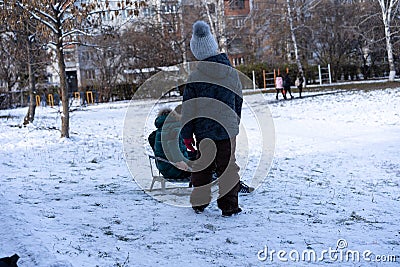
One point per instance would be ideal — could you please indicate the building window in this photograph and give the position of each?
(106, 16)
(86, 56)
(258, 42)
(69, 56)
(236, 61)
(146, 12)
(90, 74)
(258, 23)
(169, 8)
(124, 14)
(211, 8)
(236, 4)
(237, 23)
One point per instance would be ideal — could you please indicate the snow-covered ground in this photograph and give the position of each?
(334, 181)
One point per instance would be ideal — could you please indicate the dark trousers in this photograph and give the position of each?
(300, 87)
(280, 90)
(288, 90)
(224, 163)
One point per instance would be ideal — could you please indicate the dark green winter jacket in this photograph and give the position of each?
(169, 145)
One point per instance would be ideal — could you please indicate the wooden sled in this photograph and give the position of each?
(158, 177)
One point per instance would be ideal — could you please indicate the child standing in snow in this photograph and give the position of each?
(217, 133)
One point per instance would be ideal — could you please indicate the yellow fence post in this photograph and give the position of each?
(50, 99)
(89, 97)
(265, 82)
(37, 100)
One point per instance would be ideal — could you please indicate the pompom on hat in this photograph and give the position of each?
(203, 44)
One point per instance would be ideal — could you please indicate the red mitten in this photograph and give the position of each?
(189, 144)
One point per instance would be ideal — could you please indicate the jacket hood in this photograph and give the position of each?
(162, 119)
(159, 122)
(215, 71)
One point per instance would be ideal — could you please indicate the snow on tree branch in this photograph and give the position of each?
(37, 17)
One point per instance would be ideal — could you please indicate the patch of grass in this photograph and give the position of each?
(210, 227)
(123, 238)
(230, 241)
(7, 117)
(357, 218)
(108, 232)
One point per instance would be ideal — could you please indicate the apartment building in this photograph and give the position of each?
(228, 20)
(79, 59)
(237, 30)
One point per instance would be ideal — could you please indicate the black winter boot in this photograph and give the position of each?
(199, 209)
(229, 213)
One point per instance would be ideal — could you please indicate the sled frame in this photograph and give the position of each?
(158, 177)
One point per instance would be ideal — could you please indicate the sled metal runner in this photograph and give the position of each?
(158, 177)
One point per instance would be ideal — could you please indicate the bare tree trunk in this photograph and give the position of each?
(64, 93)
(10, 95)
(30, 116)
(182, 32)
(210, 19)
(294, 39)
(392, 69)
(221, 25)
(387, 9)
(219, 29)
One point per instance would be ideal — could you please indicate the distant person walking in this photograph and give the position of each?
(286, 85)
(299, 83)
(279, 86)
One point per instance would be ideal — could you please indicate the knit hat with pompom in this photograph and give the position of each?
(203, 44)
